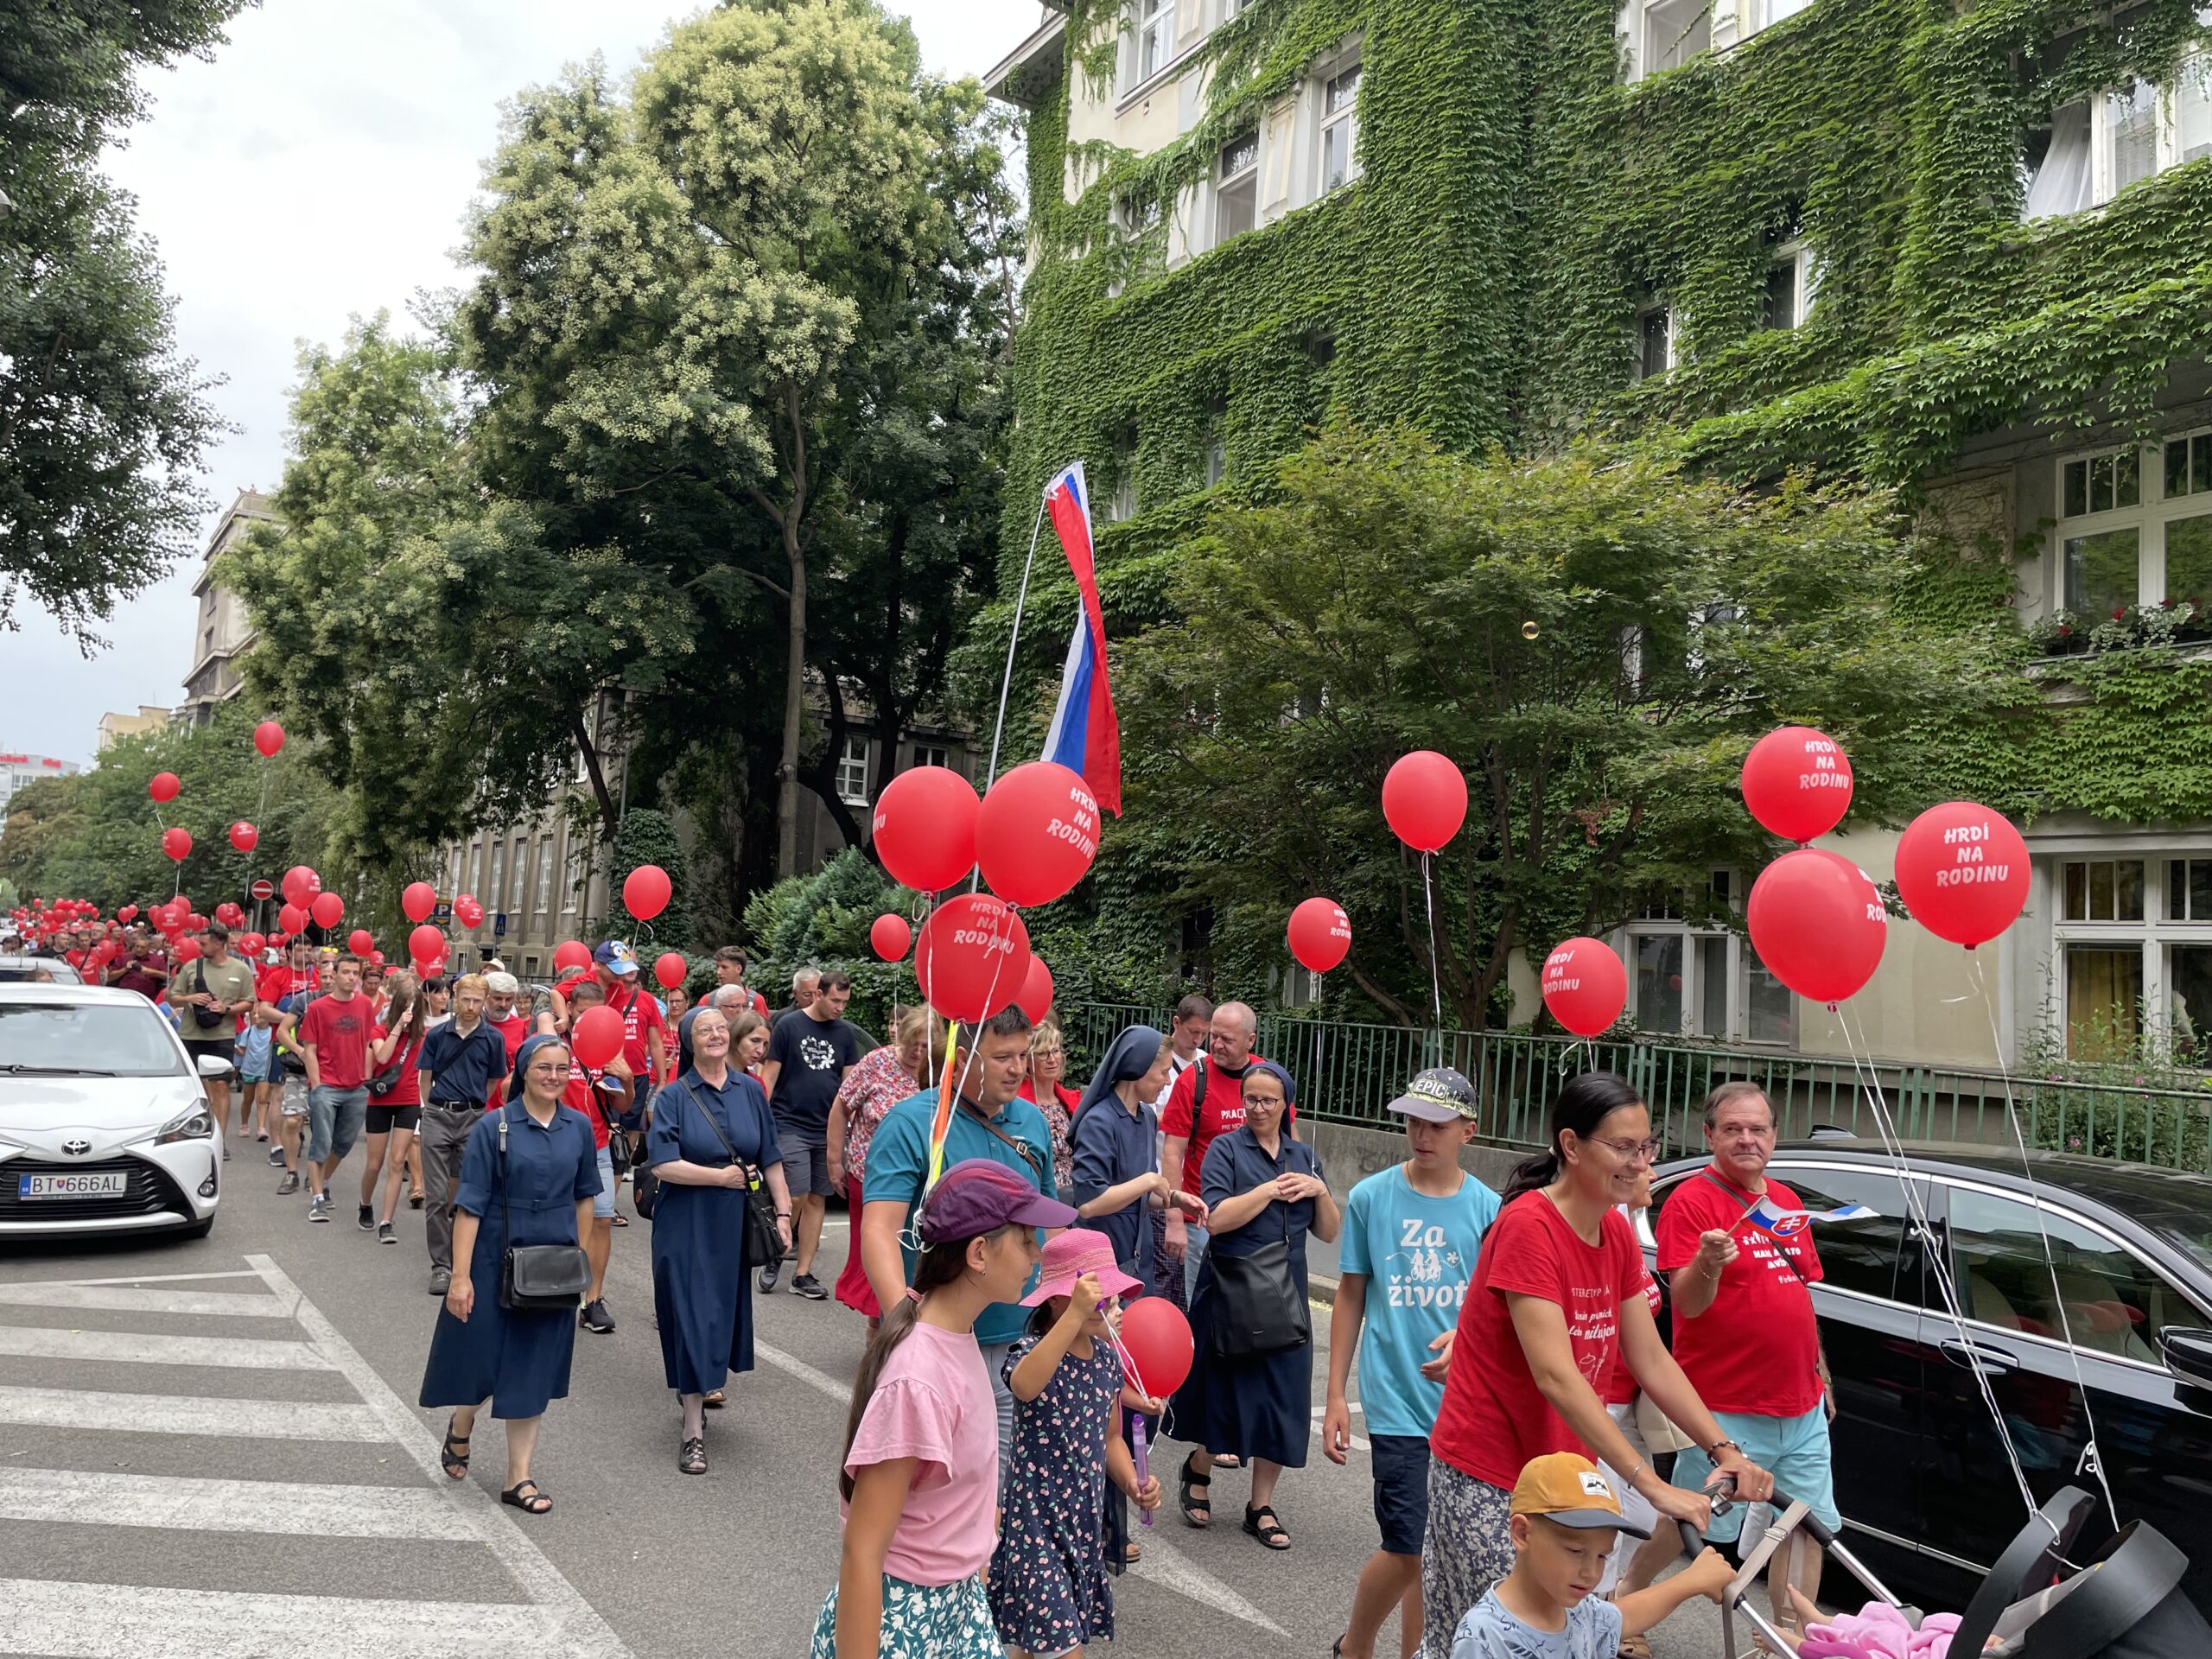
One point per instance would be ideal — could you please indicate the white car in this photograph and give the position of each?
(103, 1127)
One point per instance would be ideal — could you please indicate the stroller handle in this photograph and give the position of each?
(1724, 1497)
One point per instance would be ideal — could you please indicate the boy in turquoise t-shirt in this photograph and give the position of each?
(1407, 1255)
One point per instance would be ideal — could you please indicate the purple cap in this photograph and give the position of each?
(977, 1196)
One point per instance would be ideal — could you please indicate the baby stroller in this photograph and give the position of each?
(2125, 1603)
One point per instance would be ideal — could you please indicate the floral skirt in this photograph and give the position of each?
(922, 1621)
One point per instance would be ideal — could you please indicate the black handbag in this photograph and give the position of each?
(763, 1244)
(205, 1018)
(1258, 1306)
(538, 1278)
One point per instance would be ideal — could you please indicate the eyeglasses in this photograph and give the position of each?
(1630, 1151)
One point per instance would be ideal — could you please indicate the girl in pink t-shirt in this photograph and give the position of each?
(919, 1489)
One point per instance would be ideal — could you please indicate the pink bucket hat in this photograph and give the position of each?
(1071, 1254)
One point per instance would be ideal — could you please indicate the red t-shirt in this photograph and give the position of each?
(513, 1033)
(1621, 1390)
(340, 1032)
(584, 1094)
(282, 981)
(640, 1014)
(1757, 1350)
(1494, 1417)
(1223, 1111)
(408, 1091)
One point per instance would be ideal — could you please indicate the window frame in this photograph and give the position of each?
(1146, 30)
(1636, 37)
(1739, 961)
(932, 754)
(544, 894)
(1345, 121)
(2154, 935)
(851, 793)
(1660, 308)
(1244, 183)
(2151, 515)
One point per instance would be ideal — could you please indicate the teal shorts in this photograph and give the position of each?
(1794, 1450)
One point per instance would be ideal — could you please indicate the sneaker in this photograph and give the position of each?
(766, 1279)
(808, 1286)
(289, 1184)
(441, 1281)
(367, 1220)
(227, 1154)
(318, 1207)
(275, 1157)
(387, 1233)
(595, 1318)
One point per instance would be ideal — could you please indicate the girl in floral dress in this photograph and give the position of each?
(1048, 1589)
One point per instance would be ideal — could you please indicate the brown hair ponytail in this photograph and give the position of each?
(1588, 1101)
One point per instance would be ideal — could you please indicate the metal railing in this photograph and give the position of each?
(1349, 1073)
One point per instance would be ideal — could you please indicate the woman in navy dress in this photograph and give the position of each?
(544, 1183)
(1260, 1184)
(711, 1127)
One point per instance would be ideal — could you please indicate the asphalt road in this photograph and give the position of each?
(210, 1448)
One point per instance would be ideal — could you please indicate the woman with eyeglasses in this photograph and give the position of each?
(537, 1179)
(1556, 1304)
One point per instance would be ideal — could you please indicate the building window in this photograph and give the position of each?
(1654, 341)
(476, 870)
(932, 754)
(1664, 35)
(1217, 453)
(852, 772)
(2132, 946)
(2098, 147)
(1139, 214)
(498, 867)
(1791, 281)
(1155, 32)
(2135, 529)
(545, 876)
(1339, 129)
(1701, 980)
(1236, 187)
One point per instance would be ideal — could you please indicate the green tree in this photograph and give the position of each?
(102, 424)
(649, 837)
(1596, 638)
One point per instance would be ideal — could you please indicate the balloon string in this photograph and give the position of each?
(1435, 972)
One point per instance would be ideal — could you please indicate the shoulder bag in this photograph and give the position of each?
(763, 1244)
(1259, 1307)
(204, 1018)
(537, 1278)
(388, 1080)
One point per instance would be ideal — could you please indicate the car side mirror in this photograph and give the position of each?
(2188, 1355)
(214, 1065)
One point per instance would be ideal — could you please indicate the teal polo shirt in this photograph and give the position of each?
(899, 1166)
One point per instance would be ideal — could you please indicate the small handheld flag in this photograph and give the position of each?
(1085, 736)
(1774, 1219)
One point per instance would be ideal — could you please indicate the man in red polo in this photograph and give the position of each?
(1206, 1102)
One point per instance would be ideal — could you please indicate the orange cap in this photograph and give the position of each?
(1566, 1487)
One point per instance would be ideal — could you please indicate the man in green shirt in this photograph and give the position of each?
(211, 992)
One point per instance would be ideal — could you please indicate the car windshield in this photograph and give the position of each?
(2188, 1229)
(100, 1039)
(55, 973)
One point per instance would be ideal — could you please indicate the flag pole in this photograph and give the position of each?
(1021, 599)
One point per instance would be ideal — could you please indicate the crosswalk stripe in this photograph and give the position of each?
(158, 1278)
(134, 1348)
(202, 1303)
(165, 1414)
(111, 1621)
(296, 1510)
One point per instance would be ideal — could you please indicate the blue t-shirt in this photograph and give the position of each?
(1418, 1257)
(253, 1048)
(1489, 1631)
(899, 1165)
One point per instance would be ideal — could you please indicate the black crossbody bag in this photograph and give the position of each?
(537, 1278)
(763, 1244)
(1262, 1309)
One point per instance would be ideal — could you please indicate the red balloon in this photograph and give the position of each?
(1320, 934)
(244, 836)
(196, 922)
(181, 905)
(269, 737)
(426, 943)
(1797, 783)
(1584, 985)
(292, 918)
(1424, 798)
(164, 786)
(1817, 923)
(127, 915)
(1036, 833)
(645, 893)
(1158, 1338)
(252, 944)
(670, 968)
(598, 1035)
(889, 935)
(360, 942)
(377, 956)
(329, 910)
(971, 958)
(572, 953)
(1035, 997)
(176, 842)
(229, 915)
(301, 885)
(924, 827)
(1962, 871)
(417, 900)
(187, 950)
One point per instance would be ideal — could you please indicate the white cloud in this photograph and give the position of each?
(317, 168)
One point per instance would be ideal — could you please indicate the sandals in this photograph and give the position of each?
(1227, 1460)
(691, 1455)
(455, 1464)
(1269, 1531)
(715, 1400)
(1132, 1552)
(535, 1503)
(1197, 1507)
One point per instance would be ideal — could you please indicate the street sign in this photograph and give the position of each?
(263, 888)
(442, 914)
(499, 925)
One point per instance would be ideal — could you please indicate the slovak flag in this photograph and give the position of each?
(1085, 737)
(1771, 1218)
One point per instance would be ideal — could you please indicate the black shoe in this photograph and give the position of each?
(367, 1220)
(289, 1184)
(415, 1202)
(595, 1318)
(387, 1233)
(275, 1157)
(766, 1279)
(808, 1286)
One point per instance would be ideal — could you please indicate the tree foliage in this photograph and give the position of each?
(1596, 638)
(649, 837)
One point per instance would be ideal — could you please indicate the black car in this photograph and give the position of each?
(1921, 1474)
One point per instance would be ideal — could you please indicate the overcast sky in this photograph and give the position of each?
(317, 168)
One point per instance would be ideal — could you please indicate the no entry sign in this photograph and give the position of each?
(263, 888)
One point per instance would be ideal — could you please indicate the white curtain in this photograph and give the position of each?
(2062, 184)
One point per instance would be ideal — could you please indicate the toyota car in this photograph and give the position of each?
(104, 1127)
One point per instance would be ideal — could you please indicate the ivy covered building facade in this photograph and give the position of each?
(1963, 250)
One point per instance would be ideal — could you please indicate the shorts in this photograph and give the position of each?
(295, 1103)
(334, 1120)
(1401, 1463)
(806, 1161)
(922, 1621)
(1794, 1450)
(602, 1202)
(198, 1049)
(248, 1075)
(382, 1120)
